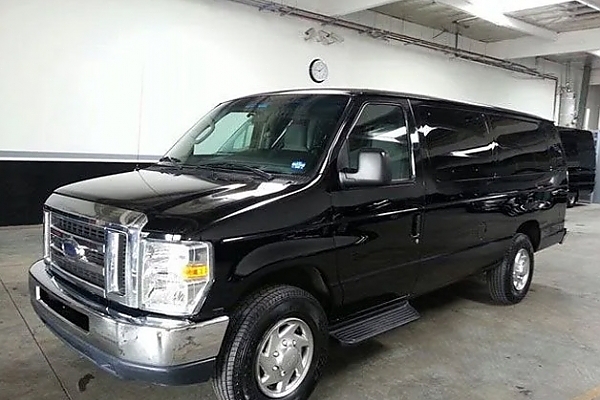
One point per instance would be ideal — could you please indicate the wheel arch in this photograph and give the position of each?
(532, 230)
(306, 277)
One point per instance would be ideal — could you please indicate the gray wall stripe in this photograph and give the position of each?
(8, 155)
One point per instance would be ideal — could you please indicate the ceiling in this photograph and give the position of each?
(578, 58)
(445, 18)
(562, 31)
(563, 17)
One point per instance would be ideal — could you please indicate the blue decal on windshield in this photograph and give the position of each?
(298, 165)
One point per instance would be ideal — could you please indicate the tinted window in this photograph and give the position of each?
(521, 146)
(579, 147)
(569, 140)
(555, 147)
(382, 126)
(458, 144)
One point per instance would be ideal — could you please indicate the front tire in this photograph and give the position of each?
(275, 347)
(509, 282)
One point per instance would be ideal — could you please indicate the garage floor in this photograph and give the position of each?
(546, 348)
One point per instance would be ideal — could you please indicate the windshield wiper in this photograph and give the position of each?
(176, 162)
(233, 166)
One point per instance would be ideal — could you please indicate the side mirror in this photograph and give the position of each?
(373, 170)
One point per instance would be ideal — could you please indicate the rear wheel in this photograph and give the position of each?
(509, 282)
(275, 348)
(572, 199)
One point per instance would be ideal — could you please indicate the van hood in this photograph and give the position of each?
(202, 198)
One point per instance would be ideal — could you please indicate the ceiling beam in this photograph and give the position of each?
(336, 8)
(498, 18)
(595, 4)
(316, 6)
(566, 42)
(339, 8)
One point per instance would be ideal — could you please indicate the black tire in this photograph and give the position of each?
(235, 374)
(572, 199)
(500, 279)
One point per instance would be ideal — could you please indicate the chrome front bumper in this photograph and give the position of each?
(160, 350)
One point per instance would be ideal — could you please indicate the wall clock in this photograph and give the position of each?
(318, 70)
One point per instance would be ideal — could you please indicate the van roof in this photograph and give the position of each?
(377, 92)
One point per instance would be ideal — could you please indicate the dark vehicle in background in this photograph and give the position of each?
(580, 151)
(282, 219)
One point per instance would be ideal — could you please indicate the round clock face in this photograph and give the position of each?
(318, 70)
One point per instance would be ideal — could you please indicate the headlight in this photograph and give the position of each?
(175, 275)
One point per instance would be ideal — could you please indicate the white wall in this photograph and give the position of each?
(122, 76)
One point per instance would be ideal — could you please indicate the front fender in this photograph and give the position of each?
(243, 267)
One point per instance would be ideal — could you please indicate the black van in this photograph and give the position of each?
(580, 151)
(283, 219)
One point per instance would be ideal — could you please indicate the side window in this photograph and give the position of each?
(555, 147)
(457, 141)
(587, 149)
(569, 142)
(382, 126)
(522, 146)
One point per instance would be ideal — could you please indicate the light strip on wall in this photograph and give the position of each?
(507, 6)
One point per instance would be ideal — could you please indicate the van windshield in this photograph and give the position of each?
(281, 133)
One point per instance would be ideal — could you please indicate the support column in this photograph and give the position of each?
(596, 192)
(566, 115)
(583, 93)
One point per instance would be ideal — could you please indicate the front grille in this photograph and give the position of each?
(122, 260)
(79, 228)
(78, 247)
(79, 269)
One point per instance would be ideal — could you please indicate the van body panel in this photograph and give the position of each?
(482, 187)
(377, 229)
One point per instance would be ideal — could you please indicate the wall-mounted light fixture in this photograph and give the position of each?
(322, 36)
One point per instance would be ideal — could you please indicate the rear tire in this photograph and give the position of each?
(509, 282)
(277, 333)
(572, 199)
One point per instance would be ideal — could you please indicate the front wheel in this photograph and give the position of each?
(509, 282)
(275, 348)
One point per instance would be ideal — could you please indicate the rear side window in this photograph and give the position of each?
(555, 147)
(569, 140)
(382, 126)
(521, 146)
(457, 141)
(580, 147)
(587, 148)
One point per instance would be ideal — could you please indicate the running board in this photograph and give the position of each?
(362, 326)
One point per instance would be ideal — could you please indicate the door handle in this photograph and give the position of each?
(416, 227)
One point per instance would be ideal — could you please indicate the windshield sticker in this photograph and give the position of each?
(256, 106)
(298, 165)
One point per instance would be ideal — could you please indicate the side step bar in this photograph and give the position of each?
(362, 326)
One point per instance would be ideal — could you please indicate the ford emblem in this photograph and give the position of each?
(72, 249)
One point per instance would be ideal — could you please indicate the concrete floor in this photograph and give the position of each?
(546, 348)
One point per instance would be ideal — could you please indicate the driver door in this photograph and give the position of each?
(377, 230)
